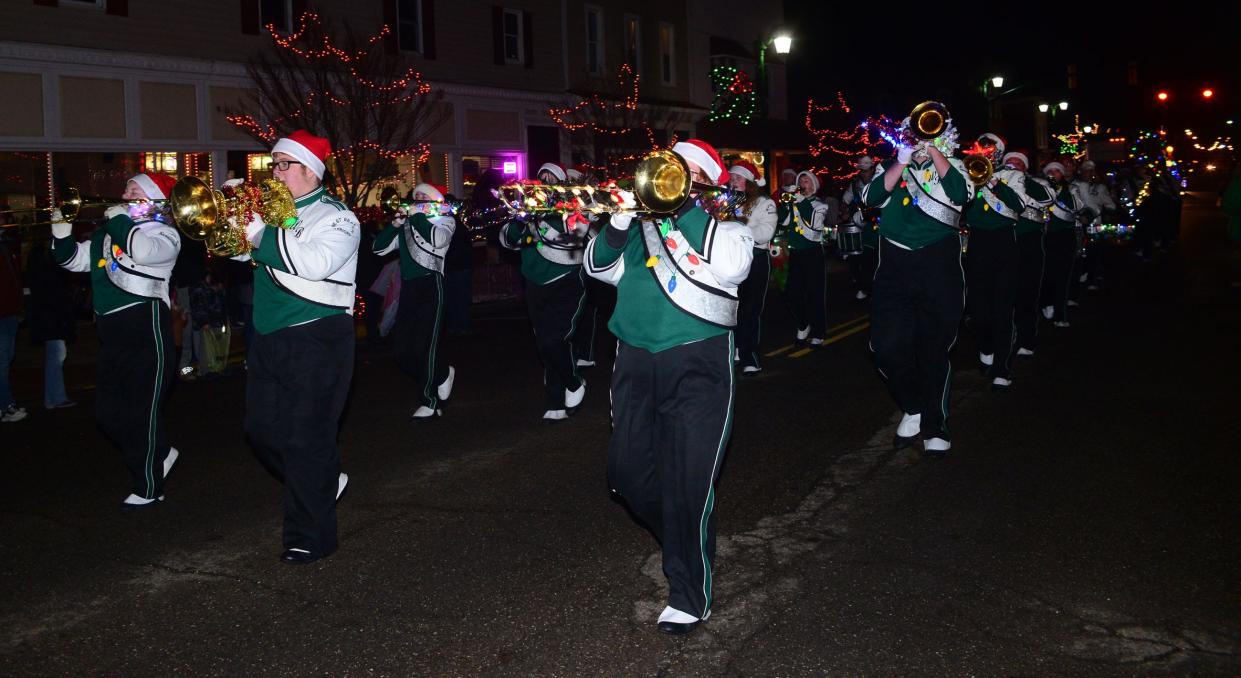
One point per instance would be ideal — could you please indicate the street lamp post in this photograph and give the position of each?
(782, 41)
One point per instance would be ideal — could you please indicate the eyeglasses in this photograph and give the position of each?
(283, 165)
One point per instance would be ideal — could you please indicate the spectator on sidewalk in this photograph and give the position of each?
(10, 316)
(191, 263)
(50, 319)
(210, 318)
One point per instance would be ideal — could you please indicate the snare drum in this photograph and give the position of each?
(848, 240)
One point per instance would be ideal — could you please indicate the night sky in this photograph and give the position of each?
(871, 53)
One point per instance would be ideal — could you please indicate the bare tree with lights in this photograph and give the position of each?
(331, 81)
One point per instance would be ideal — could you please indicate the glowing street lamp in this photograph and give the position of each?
(997, 82)
(1064, 105)
(1042, 108)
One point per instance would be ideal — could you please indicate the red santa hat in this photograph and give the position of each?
(1016, 155)
(1053, 166)
(306, 148)
(702, 154)
(156, 186)
(748, 171)
(992, 139)
(813, 178)
(430, 191)
(864, 162)
(556, 171)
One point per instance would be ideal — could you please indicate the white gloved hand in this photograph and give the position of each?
(255, 229)
(620, 221)
(116, 210)
(798, 197)
(627, 200)
(904, 154)
(232, 182)
(60, 227)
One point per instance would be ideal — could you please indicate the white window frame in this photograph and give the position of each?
(598, 53)
(521, 36)
(670, 54)
(636, 63)
(418, 20)
(288, 17)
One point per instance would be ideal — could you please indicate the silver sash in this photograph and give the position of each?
(946, 214)
(996, 204)
(695, 297)
(421, 251)
(127, 275)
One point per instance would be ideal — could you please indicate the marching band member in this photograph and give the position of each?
(1029, 229)
(993, 260)
(672, 385)
(862, 266)
(1060, 243)
(788, 182)
(596, 292)
(919, 286)
(130, 261)
(551, 262)
(804, 220)
(758, 213)
(423, 234)
(1098, 197)
(300, 363)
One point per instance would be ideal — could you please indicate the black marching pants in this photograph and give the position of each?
(806, 288)
(1061, 251)
(416, 334)
(914, 317)
(134, 373)
(297, 380)
(753, 296)
(671, 419)
(1029, 284)
(862, 269)
(554, 312)
(992, 291)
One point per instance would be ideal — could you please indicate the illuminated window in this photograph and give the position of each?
(258, 165)
(159, 162)
(667, 55)
(633, 42)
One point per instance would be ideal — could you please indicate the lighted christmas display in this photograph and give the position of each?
(735, 98)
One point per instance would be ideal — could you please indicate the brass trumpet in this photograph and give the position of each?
(928, 120)
(787, 197)
(978, 167)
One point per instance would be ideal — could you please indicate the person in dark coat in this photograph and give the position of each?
(51, 321)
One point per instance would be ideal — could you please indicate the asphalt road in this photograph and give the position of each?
(1085, 523)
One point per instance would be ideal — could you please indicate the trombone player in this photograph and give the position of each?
(919, 286)
(676, 272)
(130, 260)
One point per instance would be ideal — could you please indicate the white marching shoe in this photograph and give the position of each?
(987, 359)
(170, 460)
(555, 415)
(582, 362)
(574, 398)
(444, 390)
(803, 333)
(1061, 323)
(1049, 312)
(1072, 303)
(1024, 352)
(425, 412)
(134, 501)
(910, 426)
(751, 369)
(342, 481)
(936, 447)
(860, 295)
(816, 342)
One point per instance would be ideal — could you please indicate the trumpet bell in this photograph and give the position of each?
(195, 207)
(661, 182)
(979, 169)
(928, 120)
(71, 206)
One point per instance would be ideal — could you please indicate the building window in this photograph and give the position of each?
(514, 41)
(1072, 76)
(96, 4)
(279, 13)
(594, 40)
(633, 42)
(667, 52)
(409, 24)
(159, 162)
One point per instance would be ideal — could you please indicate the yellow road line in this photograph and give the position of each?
(798, 354)
(831, 340)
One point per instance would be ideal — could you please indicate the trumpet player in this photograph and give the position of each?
(993, 259)
(130, 261)
(805, 220)
(423, 232)
(1060, 242)
(919, 284)
(300, 363)
(672, 383)
(551, 247)
(1029, 229)
(759, 214)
